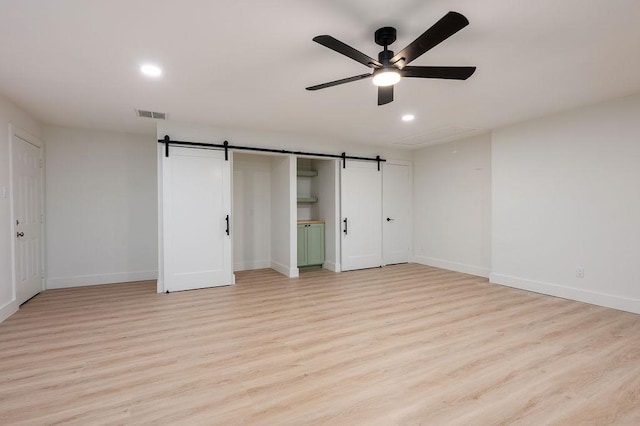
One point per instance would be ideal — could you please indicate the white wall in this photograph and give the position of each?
(251, 211)
(452, 205)
(566, 195)
(9, 113)
(101, 207)
(329, 210)
(283, 221)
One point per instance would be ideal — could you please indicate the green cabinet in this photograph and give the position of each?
(310, 244)
(302, 245)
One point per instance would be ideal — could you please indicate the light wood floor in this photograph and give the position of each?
(404, 344)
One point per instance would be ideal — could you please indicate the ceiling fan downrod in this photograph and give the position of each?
(384, 37)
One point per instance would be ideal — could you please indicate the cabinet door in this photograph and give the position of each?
(302, 245)
(315, 244)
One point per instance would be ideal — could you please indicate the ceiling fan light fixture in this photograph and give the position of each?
(386, 77)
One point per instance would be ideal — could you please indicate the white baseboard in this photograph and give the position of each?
(453, 266)
(285, 270)
(84, 280)
(332, 266)
(587, 296)
(252, 264)
(8, 309)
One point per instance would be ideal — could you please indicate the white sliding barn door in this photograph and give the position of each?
(396, 194)
(196, 211)
(361, 218)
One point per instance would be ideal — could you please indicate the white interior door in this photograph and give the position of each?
(396, 195)
(197, 222)
(27, 216)
(361, 208)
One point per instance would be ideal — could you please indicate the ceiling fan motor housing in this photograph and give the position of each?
(385, 57)
(385, 36)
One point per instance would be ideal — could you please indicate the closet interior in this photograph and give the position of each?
(317, 211)
(261, 212)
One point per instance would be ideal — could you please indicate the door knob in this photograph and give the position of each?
(389, 219)
(20, 234)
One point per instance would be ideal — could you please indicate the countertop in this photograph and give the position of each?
(309, 222)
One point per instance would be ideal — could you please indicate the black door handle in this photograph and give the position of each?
(227, 219)
(20, 234)
(345, 226)
(389, 219)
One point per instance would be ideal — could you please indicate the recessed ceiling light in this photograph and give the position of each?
(151, 70)
(408, 117)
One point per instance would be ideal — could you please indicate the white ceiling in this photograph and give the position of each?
(245, 64)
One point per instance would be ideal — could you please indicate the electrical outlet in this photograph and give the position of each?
(580, 272)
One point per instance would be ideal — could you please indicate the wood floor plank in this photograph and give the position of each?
(400, 345)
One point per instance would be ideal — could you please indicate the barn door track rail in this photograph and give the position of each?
(225, 145)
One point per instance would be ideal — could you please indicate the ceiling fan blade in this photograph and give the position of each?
(450, 73)
(346, 50)
(447, 26)
(341, 81)
(385, 94)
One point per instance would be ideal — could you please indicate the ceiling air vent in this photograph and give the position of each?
(151, 114)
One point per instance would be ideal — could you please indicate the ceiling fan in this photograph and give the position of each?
(390, 68)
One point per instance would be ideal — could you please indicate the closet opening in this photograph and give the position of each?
(263, 212)
(317, 214)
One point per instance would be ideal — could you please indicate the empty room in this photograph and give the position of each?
(320, 212)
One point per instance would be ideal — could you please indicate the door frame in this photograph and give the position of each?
(16, 132)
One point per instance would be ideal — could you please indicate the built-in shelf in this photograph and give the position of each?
(307, 173)
(307, 200)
